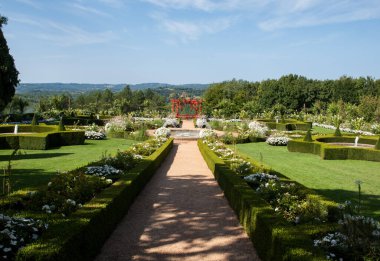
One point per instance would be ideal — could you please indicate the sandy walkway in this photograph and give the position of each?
(180, 215)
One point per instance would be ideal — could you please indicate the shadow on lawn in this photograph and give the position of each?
(181, 216)
(370, 203)
(30, 179)
(33, 156)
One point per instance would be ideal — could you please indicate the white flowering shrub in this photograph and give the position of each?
(103, 171)
(15, 233)
(358, 239)
(117, 124)
(63, 190)
(206, 133)
(277, 140)
(201, 123)
(375, 128)
(258, 178)
(224, 153)
(258, 129)
(94, 135)
(171, 122)
(162, 132)
(240, 166)
(148, 147)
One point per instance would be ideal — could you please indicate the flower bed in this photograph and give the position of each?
(78, 227)
(16, 233)
(94, 135)
(278, 140)
(272, 236)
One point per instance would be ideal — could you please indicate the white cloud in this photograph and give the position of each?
(113, 3)
(31, 3)
(204, 5)
(189, 30)
(68, 35)
(89, 10)
(306, 13)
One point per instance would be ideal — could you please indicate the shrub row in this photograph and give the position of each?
(81, 235)
(273, 237)
(287, 125)
(42, 138)
(328, 151)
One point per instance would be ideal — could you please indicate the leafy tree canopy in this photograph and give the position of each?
(8, 72)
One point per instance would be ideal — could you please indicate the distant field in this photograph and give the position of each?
(35, 167)
(334, 179)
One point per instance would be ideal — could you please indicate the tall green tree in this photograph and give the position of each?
(8, 72)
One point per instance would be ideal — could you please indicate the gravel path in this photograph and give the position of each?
(180, 215)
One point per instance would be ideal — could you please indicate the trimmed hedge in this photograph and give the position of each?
(42, 137)
(81, 235)
(273, 237)
(327, 151)
(287, 125)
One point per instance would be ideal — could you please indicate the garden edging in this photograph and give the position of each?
(81, 235)
(272, 237)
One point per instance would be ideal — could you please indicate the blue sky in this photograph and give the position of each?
(191, 41)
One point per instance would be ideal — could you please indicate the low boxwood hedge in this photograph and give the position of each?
(321, 146)
(287, 125)
(81, 235)
(41, 137)
(272, 236)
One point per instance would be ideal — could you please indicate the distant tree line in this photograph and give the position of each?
(293, 93)
(105, 102)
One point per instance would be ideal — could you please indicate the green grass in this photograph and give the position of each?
(321, 130)
(34, 168)
(334, 179)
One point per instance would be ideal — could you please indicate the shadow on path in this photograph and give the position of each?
(181, 214)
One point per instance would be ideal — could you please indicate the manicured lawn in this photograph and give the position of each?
(321, 130)
(34, 168)
(334, 179)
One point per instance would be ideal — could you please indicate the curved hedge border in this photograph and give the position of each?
(288, 125)
(42, 138)
(327, 151)
(81, 235)
(272, 236)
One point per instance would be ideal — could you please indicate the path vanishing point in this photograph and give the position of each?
(180, 215)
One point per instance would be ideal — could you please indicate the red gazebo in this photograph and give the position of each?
(187, 108)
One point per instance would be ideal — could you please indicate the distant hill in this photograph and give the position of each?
(77, 88)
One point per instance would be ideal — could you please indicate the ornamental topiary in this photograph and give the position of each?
(34, 120)
(308, 137)
(61, 127)
(337, 132)
(377, 146)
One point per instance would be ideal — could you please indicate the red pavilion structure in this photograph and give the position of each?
(187, 108)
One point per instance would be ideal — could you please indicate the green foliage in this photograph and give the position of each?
(42, 137)
(81, 235)
(337, 132)
(273, 238)
(377, 146)
(308, 136)
(322, 147)
(61, 127)
(123, 160)
(34, 120)
(8, 72)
